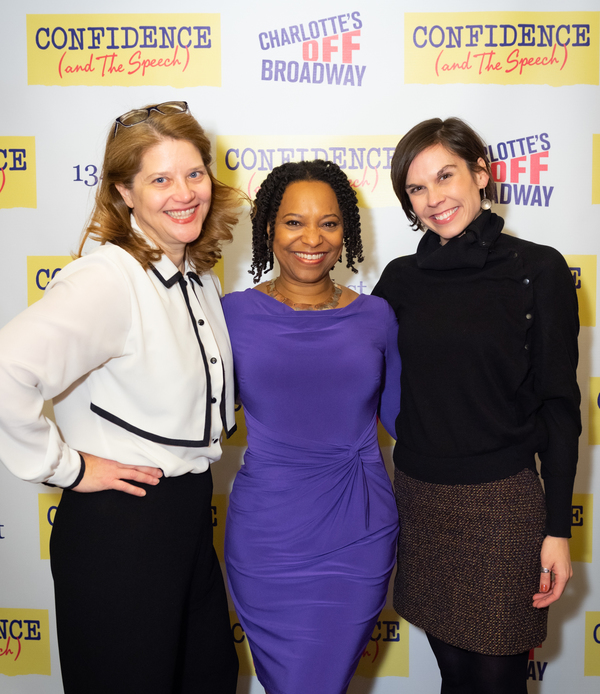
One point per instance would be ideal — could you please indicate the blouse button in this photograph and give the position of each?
(215, 440)
(526, 281)
(200, 322)
(213, 400)
(213, 360)
(528, 316)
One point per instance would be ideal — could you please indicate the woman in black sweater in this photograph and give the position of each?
(488, 340)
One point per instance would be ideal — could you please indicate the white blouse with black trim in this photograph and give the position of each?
(138, 365)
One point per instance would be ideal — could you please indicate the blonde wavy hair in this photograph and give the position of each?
(110, 220)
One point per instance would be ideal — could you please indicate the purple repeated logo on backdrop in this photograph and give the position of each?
(327, 52)
(520, 168)
(536, 668)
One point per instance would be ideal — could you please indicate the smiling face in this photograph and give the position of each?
(443, 192)
(170, 196)
(309, 233)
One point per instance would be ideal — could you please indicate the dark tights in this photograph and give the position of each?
(465, 672)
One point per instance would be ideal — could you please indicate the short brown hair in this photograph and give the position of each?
(456, 136)
(110, 219)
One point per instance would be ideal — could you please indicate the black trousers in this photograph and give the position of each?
(140, 599)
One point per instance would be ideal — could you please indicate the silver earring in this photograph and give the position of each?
(485, 204)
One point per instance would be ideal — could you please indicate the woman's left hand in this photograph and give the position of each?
(555, 556)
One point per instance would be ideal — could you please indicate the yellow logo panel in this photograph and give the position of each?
(581, 527)
(219, 512)
(387, 652)
(176, 50)
(583, 268)
(17, 172)
(241, 646)
(555, 48)
(596, 170)
(219, 270)
(24, 642)
(47, 505)
(592, 644)
(40, 270)
(385, 440)
(594, 422)
(244, 162)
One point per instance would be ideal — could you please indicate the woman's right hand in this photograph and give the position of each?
(101, 474)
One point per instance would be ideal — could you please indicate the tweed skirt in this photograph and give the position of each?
(469, 561)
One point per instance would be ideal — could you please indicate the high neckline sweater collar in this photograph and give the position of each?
(470, 250)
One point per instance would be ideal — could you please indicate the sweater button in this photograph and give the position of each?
(515, 254)
(526, 281)
(200, 322)
(526, 346)
(528, 316)
(213, 360)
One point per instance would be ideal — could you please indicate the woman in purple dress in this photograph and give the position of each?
(312, 522)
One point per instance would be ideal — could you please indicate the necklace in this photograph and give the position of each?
(332, 302)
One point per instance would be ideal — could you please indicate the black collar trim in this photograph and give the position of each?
(194, 276)
(167, 282)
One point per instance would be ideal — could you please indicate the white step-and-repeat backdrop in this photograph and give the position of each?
(273, 82)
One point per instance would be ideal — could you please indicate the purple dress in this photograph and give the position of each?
(312, 522)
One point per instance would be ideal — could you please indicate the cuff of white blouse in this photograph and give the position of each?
(69, 472)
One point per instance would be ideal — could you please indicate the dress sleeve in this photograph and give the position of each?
(82, 321)
(389, 405)
(555, 356)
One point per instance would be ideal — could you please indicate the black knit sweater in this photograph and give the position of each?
(488, 340)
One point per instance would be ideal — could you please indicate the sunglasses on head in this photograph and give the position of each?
(139, 115)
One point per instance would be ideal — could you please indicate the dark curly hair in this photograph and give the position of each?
(268, 200)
